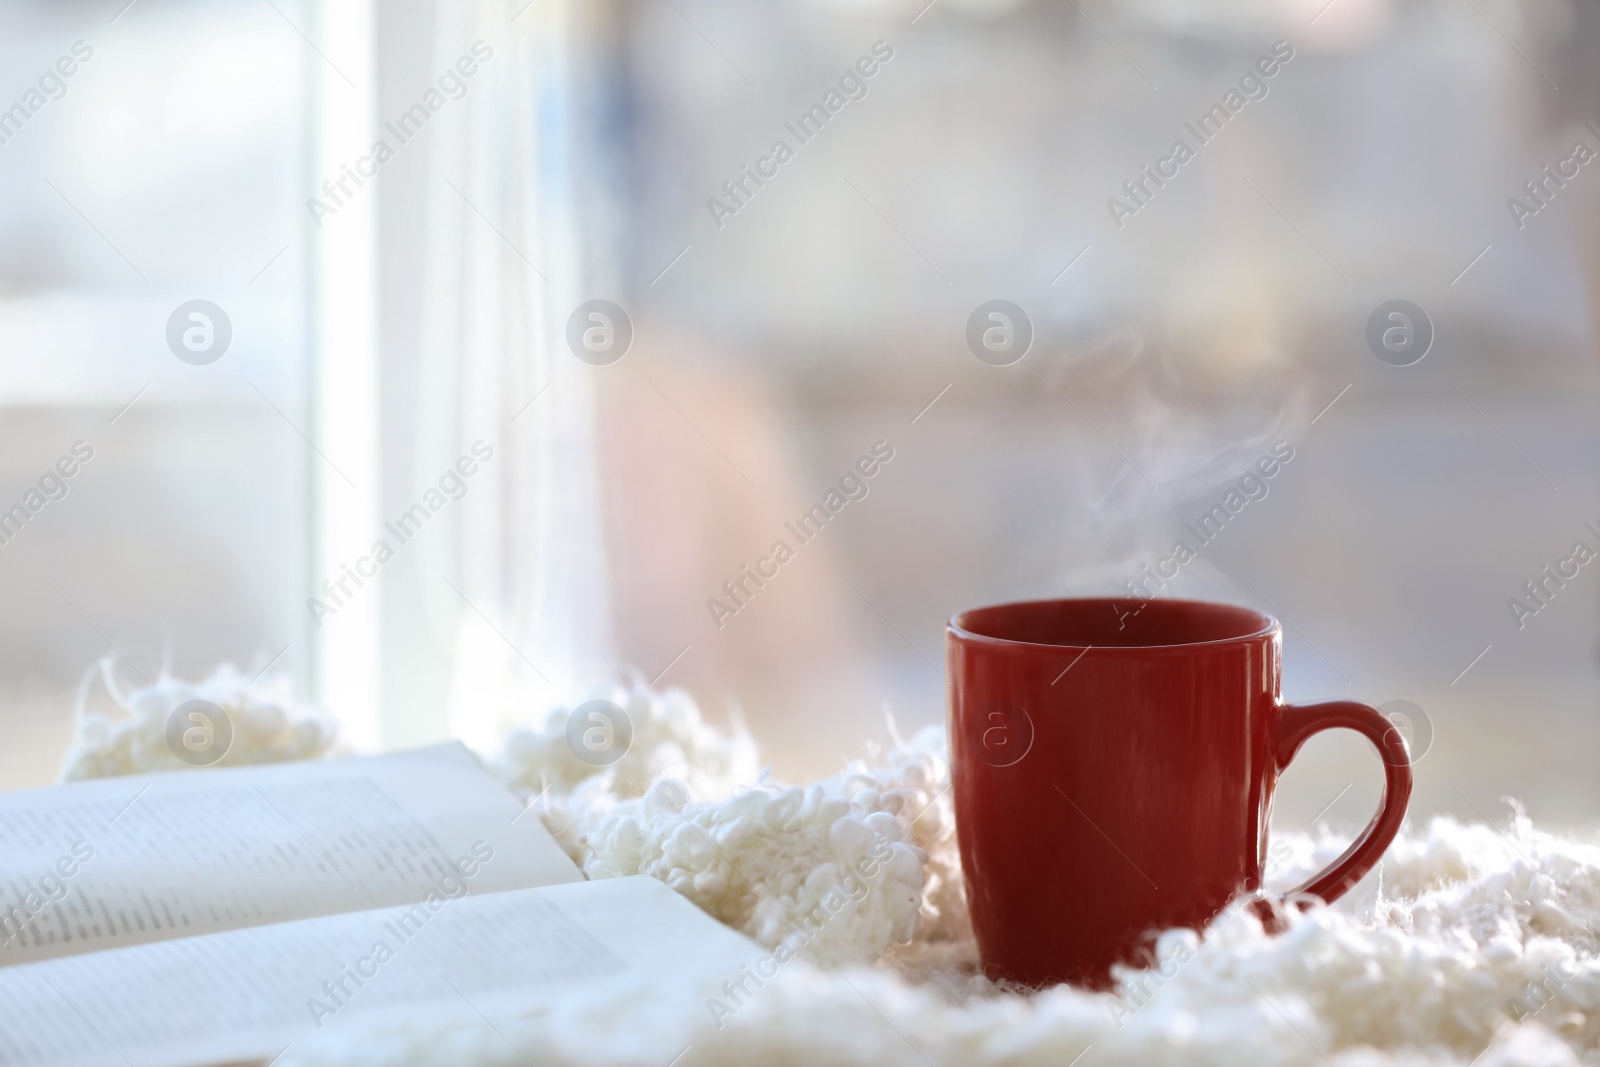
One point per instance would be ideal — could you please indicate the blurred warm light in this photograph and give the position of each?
(1343, 24)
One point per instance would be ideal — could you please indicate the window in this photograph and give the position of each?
(165, 168)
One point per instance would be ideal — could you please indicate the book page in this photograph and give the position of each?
(123, 861)
(246, 995)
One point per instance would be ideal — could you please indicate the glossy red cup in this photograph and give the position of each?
(1114, 762)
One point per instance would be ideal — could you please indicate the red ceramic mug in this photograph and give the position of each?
(1114, 762)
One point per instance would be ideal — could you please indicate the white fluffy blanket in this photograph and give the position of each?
(1470, 944)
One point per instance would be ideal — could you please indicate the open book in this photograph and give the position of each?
(218, 916)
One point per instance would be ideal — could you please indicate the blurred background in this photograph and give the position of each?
(781, 331)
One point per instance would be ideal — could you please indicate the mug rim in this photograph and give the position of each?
(956, 628)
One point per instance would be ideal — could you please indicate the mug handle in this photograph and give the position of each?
(1296, 723)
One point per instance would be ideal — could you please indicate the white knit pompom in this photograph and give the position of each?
(268, 724)
(669, 736)
(910, 783)
(774, 863)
